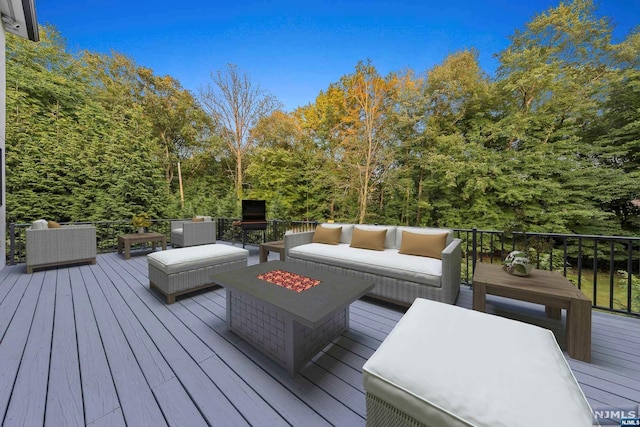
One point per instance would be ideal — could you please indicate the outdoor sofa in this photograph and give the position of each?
(398, 277)
(49, 244)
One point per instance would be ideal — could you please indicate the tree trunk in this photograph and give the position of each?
(363, 201)
(181, 189)
(239, 176)
(419, 196)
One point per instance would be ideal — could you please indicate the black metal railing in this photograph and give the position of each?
(605, 268)
(275, 230)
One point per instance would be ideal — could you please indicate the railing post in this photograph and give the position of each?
(629, 274)
(12, 243)
(474, 249)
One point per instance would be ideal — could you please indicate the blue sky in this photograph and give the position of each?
(295, 49)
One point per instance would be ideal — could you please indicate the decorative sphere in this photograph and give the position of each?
(517, 263)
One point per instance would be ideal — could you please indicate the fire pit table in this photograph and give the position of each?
(294, 319)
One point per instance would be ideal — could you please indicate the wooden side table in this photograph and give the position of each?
(267, 247)
(125, 241)
(549, 288)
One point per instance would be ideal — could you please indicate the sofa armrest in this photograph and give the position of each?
(451, 266)
(296, 239)
(177, 224)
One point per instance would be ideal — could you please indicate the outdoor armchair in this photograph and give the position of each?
(199, 231)
(69, 244)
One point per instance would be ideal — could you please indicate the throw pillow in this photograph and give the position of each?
(329, 236)
(368, 239)
(428, 245)
(197, 219)
(53, 224)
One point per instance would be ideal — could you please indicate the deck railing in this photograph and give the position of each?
(605, 268)
(275, 230)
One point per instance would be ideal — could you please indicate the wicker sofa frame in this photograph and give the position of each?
(391, 289)
(69, 244)
(382, 414)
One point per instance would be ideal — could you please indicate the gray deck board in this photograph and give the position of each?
(170, 335)
(64, 397)
(13, 291)
(136, 399)
(29, 395)
(240, 395)
(92, 345)
(15, 339)
(98, 390)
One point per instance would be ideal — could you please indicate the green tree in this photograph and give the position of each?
(552, 79)
(78, 148)
(322, 126)
(179, 123)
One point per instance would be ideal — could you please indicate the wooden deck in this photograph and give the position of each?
(92, 345)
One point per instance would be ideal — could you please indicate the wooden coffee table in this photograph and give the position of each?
(287, 326)
(125, 241)
(549, 288)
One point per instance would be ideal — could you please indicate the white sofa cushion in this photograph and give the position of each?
(390, 237)
(387, 263)
(449, 366)
(184, 259)
(422, 230)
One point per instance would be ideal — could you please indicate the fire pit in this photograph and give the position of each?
(291, 281)
(289, 327)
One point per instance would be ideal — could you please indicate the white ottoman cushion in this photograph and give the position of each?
(190, 258)
(448, 366)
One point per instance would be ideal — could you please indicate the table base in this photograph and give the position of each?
(277, 334)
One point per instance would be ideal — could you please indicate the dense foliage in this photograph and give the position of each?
(550, 143)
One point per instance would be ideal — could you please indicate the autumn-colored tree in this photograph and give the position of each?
(365, 138)
(323, 128)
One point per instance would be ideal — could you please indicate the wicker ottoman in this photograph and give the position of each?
(444, 365)
(178, 271)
